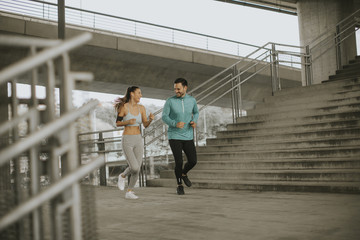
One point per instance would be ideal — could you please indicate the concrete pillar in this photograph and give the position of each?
(320, 17)
(61, 19)
(4, 117)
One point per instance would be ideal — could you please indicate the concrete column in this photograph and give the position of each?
(318, 18)
(61, 19)
(4, 117)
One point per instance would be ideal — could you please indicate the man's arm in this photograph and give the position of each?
(165, 115)
(195, 112)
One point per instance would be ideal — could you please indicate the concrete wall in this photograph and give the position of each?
(319, 18)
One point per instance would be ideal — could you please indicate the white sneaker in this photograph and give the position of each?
(121, 182)
(131, 195)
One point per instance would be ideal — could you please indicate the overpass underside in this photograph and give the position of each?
(119, 61)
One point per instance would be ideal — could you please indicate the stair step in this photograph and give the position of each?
(276, 145)
(348, 71)
(291, 106)
(293, 186)
(288, 129)
(355, 65)
(344, 76)
(327, 118)
(281, 154)
(280, 164)
(287, 136)
(270, 139)
(325, 88)
(294, 112)
(312, 97)
(354, 61)
(310, 116)
(352, 175)
(299, 124)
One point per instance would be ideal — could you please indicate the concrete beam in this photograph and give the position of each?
(118, 61)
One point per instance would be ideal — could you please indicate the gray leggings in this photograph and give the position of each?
(133, 148)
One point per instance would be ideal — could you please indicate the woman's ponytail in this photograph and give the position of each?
(120, 101)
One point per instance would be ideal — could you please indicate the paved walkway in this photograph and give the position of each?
(226, 214)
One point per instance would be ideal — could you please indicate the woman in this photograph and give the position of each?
(130, 115)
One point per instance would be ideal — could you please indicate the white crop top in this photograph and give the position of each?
(130, 116)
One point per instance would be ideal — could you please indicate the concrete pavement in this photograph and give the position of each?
(226, 214)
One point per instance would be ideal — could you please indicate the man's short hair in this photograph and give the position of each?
(182, 81)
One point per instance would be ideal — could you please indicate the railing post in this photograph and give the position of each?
(196, 132)
(101, 147)
(274, 69)
(307, 63)
(61, 19)
(236, 95)
(233, 107)
(239, 95)
(142, 181)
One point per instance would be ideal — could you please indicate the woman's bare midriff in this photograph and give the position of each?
(131, 130)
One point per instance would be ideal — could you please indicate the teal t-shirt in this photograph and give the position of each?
(180, 109)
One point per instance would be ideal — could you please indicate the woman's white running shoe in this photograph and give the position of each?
(130, 195)
(121, 182)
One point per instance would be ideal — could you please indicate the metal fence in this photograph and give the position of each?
(40, 184)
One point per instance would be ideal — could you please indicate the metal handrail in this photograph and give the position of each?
(42, 57)
(48, 130)
(332, 39)
(315, 42)
(100, 131)
(249, 66)
(234, 87)
(49, 193)
(266, 47)
(230, 67)
(229, 81)
(7, 126)
(247, 57)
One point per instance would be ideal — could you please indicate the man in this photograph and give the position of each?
(181, 113)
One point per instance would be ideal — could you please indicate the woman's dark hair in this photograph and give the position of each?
(182, 81)
(120, 101)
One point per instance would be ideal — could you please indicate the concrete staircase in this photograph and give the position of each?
(301, 139)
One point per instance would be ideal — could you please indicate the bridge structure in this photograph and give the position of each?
(142, 54)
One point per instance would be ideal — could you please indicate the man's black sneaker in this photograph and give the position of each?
(186, 181)
(180, 190)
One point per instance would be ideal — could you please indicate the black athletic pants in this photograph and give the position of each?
(188, 146)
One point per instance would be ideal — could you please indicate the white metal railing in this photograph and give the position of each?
(48, 137)
(231, 78)
(96, 142)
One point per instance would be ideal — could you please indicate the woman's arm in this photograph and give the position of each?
(145, 120)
